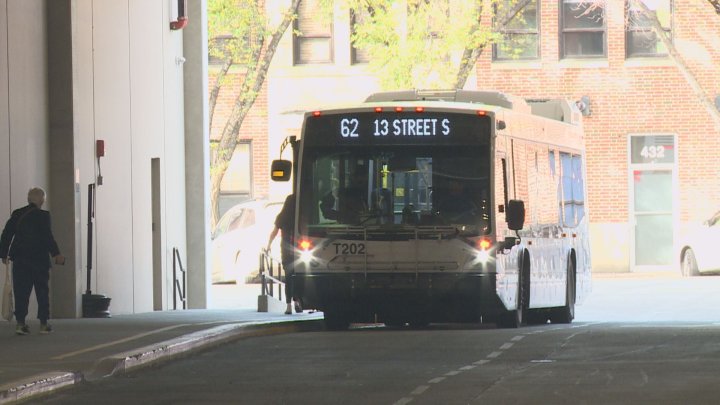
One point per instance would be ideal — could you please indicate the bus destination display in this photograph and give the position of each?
(396, 128)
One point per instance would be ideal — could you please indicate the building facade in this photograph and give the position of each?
(650, 142)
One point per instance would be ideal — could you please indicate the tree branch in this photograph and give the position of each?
(680, 63)
(471, 55)
(257, 71)
(216, 87)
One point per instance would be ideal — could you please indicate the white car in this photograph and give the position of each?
(238, 240)
(699, 248)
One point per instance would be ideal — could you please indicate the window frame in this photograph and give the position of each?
(354, 60)
(537, 32)
(562, 31)
(298, 39)
(628, 30)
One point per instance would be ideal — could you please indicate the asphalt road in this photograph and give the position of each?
(638, 340)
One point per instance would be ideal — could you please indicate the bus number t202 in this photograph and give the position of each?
(349, 248)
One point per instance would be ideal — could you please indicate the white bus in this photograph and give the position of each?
(418, 207)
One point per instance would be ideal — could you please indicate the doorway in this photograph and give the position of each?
(652, 175)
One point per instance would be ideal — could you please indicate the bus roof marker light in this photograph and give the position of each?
(316, 113)
(482, 113)
(378, 109)
(398, 109)
(419, 109)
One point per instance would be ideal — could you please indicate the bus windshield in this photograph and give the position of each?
(395, 186)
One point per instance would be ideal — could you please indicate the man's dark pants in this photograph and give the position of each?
(26, 275)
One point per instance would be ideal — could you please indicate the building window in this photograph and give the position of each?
(582, 24)
(358, 17)
(520, 34)
(641, 38)
(236, 184)
(313, 34)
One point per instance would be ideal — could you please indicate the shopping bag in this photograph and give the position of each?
(7, 296)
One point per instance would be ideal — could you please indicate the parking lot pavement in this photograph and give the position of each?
(91, 348)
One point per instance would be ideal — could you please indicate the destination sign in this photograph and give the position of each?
(396, 128)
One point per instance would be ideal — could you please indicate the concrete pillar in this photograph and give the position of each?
(197, 155)
(64, 192)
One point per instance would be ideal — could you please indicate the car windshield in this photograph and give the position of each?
(396, 186)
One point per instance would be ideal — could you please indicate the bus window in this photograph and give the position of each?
(397, 186)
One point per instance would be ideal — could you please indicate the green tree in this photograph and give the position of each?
(430, 44)
(241, 34)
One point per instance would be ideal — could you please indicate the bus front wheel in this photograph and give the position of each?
(336, 318)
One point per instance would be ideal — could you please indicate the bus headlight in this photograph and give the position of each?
(482, 252)
(306, 255)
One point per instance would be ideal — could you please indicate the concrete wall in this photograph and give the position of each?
(23, 106)
(128, 92)
(76, 71)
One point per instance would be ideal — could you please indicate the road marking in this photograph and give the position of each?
(466, 368)
(452, 373)
(493, 355)
(436, 380)
(403, 401)
(506, 346)
(419, 390)
(481, 362)
(517, 338)
(127, 339)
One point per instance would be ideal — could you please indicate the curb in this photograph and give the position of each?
(45, 383)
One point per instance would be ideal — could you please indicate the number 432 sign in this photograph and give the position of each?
(653, 149)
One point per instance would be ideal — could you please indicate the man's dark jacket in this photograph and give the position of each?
(30, 226)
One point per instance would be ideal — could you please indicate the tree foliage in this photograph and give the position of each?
(240, 33)
(427, 44)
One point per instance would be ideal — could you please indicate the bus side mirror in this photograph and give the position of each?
(280, 170)
(515, 214)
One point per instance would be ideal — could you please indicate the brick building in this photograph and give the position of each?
(651, 164)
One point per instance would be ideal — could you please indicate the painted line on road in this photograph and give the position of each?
(116, 342)
(495, 354)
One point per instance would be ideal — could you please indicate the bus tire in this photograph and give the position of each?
(566, 313)
(517, 317)
(336, 318)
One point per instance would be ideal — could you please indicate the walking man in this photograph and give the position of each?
(28, 242)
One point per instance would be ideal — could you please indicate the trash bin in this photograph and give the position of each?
(95, 306)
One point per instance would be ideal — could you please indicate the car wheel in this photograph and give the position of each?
(688, 265)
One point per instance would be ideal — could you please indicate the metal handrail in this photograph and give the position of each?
(267, 275)
(177, 288)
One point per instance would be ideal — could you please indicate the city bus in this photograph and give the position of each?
(418, 207)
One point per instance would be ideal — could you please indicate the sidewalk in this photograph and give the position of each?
(88, 349)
